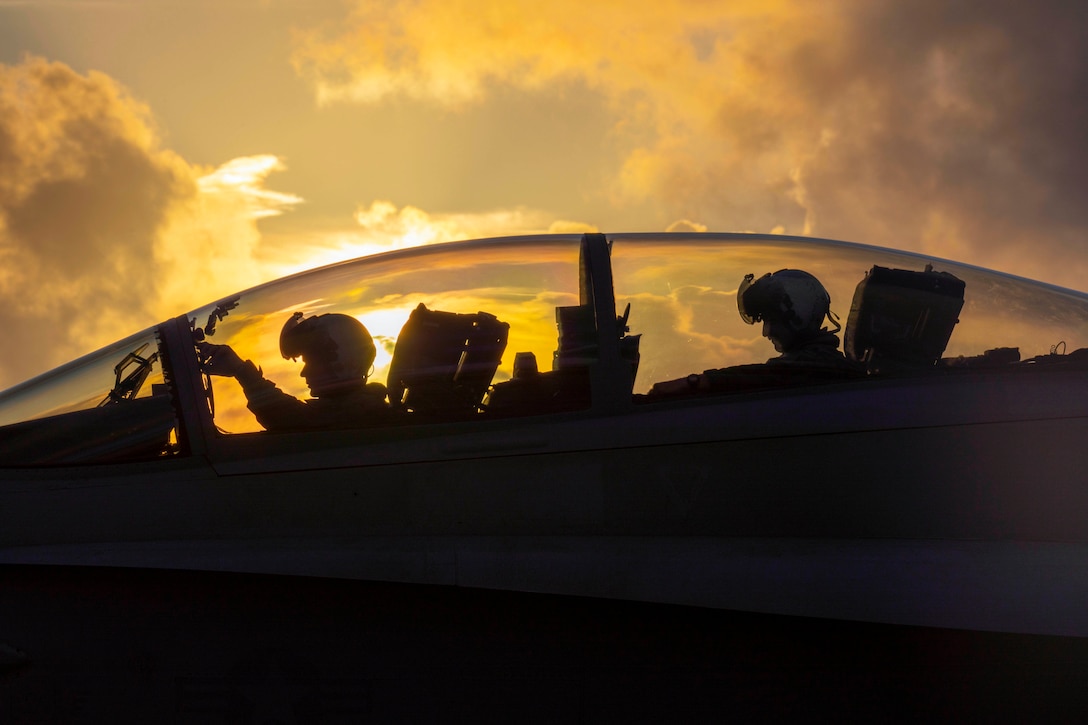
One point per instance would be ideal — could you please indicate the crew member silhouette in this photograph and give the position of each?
(337, 352)
(792, 305)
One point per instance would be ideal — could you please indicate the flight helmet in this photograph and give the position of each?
(791, 300)
(337, 349)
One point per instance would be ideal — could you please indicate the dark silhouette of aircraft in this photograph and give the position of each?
(564, 510)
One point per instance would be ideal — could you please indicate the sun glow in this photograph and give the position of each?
(384, 326)
(382, 226)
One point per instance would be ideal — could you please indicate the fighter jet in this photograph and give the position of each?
(665, 421)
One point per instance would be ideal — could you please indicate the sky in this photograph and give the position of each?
(156, 155)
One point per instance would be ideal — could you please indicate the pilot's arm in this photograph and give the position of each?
(273, 408)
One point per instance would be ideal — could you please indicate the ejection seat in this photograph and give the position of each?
(443, 362)
(902, 320)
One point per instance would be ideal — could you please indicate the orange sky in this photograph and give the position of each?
(156, 155)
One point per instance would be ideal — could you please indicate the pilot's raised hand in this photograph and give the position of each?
(220, 360)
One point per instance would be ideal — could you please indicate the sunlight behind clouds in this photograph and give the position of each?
(382, 226)
(952, 129)
(945, 128)
(670, 73)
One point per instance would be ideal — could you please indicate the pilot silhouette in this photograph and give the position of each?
(792, 306)
(337, 352)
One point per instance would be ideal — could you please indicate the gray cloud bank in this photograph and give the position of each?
(955, 128)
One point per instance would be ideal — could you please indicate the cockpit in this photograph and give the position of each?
(517, 331)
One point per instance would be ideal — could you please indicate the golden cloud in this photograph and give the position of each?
(103, 231)
(243, 178)
(383, 227)
(953, 130)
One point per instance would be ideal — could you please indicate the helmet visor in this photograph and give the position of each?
(751, 298)
(294, 338)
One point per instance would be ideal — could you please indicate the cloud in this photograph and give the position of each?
(83, 190)
(686, 225)
(209, 245)
(382, 226)
(243, 178)
(954, 129)
(412, 227)
(103, 231)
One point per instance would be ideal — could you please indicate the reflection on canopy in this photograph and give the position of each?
(519, 281)
(683, 290)
(79, 385)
